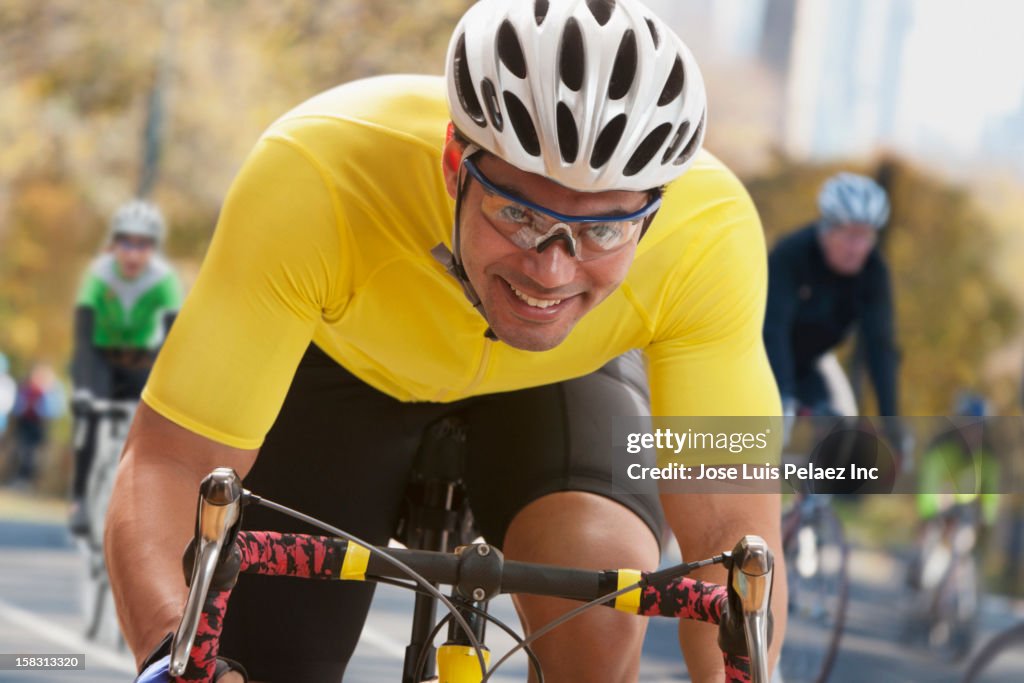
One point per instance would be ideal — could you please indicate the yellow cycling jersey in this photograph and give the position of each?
(325, 236)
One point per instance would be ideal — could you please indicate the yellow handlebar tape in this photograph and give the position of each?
(629, 602)
(353, 567)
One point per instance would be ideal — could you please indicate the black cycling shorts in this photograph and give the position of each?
(341, 451)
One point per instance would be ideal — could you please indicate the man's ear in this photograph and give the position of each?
(451, 156)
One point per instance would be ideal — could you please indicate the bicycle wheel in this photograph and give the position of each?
(97, 600)
(816, 568)
(1001, 659)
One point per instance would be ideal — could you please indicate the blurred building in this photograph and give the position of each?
(845, 65)
(1003, 139)
(826, 79)
(776, 39)
(834, 66)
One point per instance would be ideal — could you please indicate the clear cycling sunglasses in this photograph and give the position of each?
(530, 226)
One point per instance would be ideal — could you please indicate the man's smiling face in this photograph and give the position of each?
(533, 300)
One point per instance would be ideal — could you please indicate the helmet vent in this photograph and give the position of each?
(464, 85)
(624, 70)
(654, 33)
(693, 145)
(568, 135)
(540, 11)
(647, 149)
(601, 9)
(673, 84)
(491, 102)
(522, 124)
(510, 51)
(570, 56)
(607, 141)
(677, 142)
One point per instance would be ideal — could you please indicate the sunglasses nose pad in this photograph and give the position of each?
(559, 231)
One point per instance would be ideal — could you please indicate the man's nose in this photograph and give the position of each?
(554, 265)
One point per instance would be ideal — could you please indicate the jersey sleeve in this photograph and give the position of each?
(274, 269)
(90, 291)
(707, 356)
(169, 291)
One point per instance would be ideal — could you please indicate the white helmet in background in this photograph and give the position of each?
(593, 94)
(138, 218)
(851, 198)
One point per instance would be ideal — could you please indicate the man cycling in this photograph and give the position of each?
(822, 280)
(323, 334)
(959, 472)
(125, 306)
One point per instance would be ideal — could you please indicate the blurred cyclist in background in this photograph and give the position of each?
(40, 400)
(124, 309)
(823, 280)
(958, 477)
(959, 468)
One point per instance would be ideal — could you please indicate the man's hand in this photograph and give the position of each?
(81, 401)
(228, 671)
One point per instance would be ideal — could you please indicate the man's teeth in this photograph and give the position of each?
(538, 303)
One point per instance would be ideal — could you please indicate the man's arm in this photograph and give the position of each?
(705, 525)
(707, 358)
(89, 370)
(878, 327)
(151, 519)
(780, 314)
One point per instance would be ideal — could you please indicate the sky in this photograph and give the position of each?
(964, 66)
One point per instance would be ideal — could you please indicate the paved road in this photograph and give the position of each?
(40, 594)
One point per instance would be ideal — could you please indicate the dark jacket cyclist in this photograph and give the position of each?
(823, 280)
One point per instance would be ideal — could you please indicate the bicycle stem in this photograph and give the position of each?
(219, 510)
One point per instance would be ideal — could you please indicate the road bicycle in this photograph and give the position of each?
(113, 417)
(476, 573)
(946, 600)
(817, 558)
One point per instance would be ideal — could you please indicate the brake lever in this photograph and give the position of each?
(750, 581)
(218, 515)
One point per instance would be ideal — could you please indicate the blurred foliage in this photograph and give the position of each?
(75, 79)
(952, 309)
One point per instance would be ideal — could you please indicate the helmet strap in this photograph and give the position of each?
(451, 259)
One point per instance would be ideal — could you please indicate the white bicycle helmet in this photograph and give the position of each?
(851, 198)
(594, 94)
(138, 218)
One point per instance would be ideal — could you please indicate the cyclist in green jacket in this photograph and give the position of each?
(125, 306)
(958, 479)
